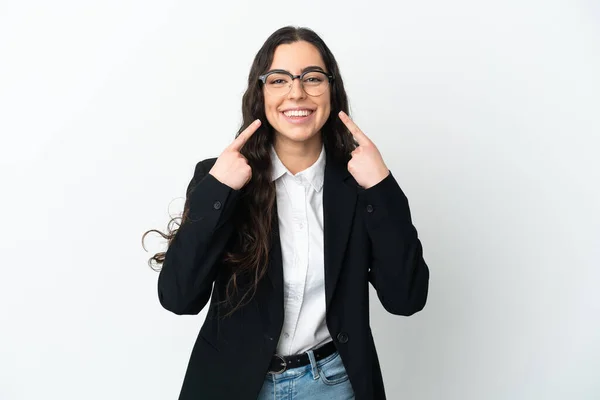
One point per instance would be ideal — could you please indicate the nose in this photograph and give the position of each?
(296, 91)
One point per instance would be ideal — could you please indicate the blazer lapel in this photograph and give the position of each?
(339, 200)
(275, 269)
(270, 300)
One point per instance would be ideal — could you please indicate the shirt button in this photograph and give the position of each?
(369, 208)
(217, 205)
(286, 335)
(342, 337)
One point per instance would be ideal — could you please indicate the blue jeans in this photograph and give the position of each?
(325, 379)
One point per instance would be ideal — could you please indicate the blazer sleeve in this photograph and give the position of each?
(192, 259)
(398, 271)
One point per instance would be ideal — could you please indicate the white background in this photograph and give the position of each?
(487, 113)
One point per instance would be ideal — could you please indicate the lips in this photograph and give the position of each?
(298, 115)
(303, 112)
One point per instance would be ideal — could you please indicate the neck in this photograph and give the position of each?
(298, 156)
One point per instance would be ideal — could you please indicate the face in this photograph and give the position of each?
(297, 126)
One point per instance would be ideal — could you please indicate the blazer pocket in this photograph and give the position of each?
(208, 342)
(207, 337)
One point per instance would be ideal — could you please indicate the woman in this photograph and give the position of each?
(285, 229)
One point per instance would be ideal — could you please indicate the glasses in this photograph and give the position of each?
(279, 82)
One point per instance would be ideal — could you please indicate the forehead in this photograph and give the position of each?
(293, 57)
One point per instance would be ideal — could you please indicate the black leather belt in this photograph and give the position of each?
(280, 364)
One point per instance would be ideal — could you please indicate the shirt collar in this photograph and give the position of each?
(314, 174)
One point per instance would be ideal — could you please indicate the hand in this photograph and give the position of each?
(231, 167)
(366, 165)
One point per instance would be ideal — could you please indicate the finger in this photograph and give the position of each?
(241, 156)
(243, 137)
(359, 135)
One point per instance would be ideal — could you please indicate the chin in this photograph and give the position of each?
(298, 135)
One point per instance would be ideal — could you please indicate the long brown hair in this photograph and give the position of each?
(248, 259)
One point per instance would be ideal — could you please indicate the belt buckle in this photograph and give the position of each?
(283, 364)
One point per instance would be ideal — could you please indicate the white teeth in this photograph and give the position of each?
(297, 113)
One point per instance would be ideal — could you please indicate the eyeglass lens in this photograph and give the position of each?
(314, 83)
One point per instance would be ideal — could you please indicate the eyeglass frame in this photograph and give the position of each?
(263, 78)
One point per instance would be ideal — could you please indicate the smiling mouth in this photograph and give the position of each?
(297, 113)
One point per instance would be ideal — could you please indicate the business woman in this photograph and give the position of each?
(285, 229)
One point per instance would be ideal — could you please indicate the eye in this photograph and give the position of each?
(314, 78)
(278, 79)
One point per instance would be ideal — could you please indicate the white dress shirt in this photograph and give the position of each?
(300, 213)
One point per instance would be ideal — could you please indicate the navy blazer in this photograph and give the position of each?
(368, 237)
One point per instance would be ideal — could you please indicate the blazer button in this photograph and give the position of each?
(342, 337)
(369, 208)
(268, 337)
(217, 205)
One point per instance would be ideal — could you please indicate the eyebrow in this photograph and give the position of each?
(309, 68)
